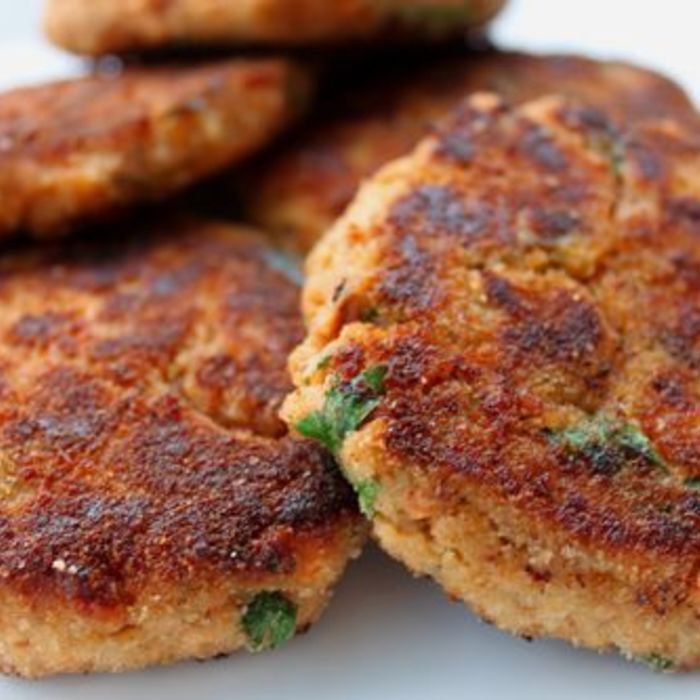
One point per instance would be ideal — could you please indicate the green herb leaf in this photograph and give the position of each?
(374, 379)
(657, 662)
(367, 492)
(370, 315)
(324, 362)
(608, 443)
(346, 408)
(692, 483)
(269, 621)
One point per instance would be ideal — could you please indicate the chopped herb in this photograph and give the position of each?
(346, 408)
(370, 315)
(269, 621)
(367, 492)
(374, 378)
(657, 662)
(692, 483)
(608, 443)
(324, 362)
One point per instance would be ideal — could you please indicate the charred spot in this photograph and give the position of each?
(684, 211)
(681, 341)
(539, 146)
(218, 372)
(458, 136)
(553, 224)
(671, 390)
(538, 575)
(70, 413)
(560, 327)
(121, 305)
(570, 331)
(349, 361)
(504, 294)
(409, 435)
(439, 210)
(38, 330)
(646, 162)
(409, 280)
(421, 428)
(587, 118)
(679, 439)
(687, 268)
(416, 364)
(81, 546)
(456, 145)
(155, 342)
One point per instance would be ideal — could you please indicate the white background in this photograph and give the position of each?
(387, 636)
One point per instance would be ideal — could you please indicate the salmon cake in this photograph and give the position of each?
(153, 506)
(504, 355)
(73, 151)
(302, 187)
(94, 27)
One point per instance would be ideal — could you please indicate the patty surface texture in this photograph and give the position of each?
(77, 150)
(102, 26)
(302, 187)
(504, 354)
(152, 505)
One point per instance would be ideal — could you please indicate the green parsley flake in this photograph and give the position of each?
(269, 621)
(692, 483)
(346, 408)
(658, 663)
(608, 443)
(370, 315)
(367, 492)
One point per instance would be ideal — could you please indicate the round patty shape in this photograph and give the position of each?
(302, 187)
(101, 26)
(152, 505)
(72, 151)
(504, 353)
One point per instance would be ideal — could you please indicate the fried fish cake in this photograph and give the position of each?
(302, 187)
(152, 505)
(72, 151)
(504, 354)
(95, 27)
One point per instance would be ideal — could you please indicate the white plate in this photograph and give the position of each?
(385, 635)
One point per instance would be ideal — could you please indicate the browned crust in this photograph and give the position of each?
(75, 150)
(528, 269)
(99, 26)
(303, 186)
(139, 444)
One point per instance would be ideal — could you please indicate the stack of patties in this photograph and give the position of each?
(502, 337)
(154, 506)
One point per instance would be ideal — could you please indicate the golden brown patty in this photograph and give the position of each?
(103, 26)
(152, 506)
(74, 150)
(302, 187)
(504, 353)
